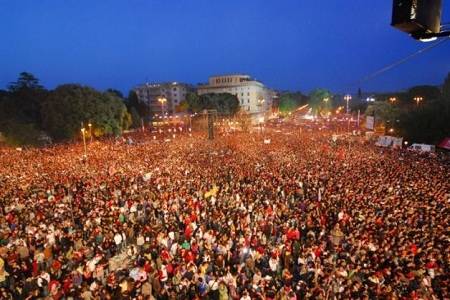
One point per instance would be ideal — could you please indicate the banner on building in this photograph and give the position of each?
(370, 122)
(445, 143)
(389, 141)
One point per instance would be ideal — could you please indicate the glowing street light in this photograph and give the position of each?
(392, 99)
(90, 130)
(163, 101)
(260, 103)
(83, 132)
(418, 99)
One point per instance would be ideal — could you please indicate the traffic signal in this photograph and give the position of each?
(417, 17)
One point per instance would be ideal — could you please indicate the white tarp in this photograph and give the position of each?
(370, 121)
(389, 141)
(397, 143)
(384, 141)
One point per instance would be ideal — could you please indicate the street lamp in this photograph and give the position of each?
(260, 103)
(347, 98)
(83, 132)
(163, 101)
(418, 99)
(90, 131)
(392, 99)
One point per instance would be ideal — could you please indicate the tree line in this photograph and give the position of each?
(424, 120)
(29, 113)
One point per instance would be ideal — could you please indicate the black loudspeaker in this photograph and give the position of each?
(417, 16)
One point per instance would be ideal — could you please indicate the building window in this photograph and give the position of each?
(248, 101)
(174, 88)
(242, 94)
(248, 94)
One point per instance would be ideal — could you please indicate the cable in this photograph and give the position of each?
(401, 61)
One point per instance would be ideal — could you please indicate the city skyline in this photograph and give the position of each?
(288, 46)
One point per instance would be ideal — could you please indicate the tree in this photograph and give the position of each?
(224, 103)
(183, 106)
(287, 105)
(141, 108)
(20, 118)
(446, 88)
(428, 123)
(318, 102)
(427, 92)
(194, 103)
(25, 97)
(383, 111)
(135, 118)
(116, 92)
(25, 81)
(69, 105)
(290, 101)
(19, 134)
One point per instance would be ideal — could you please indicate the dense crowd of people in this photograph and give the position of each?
(301, 217)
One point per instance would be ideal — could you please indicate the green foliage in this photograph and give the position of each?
(70, 105)
(317, 103)
(194, 103)
(291, 101)
(24, 99)
(141, 108)
(428, 92)
(20, 134)
(383, 111)
(446, 88)
(183, 106)
(25, 81)
(135, 118)
(224, 103)
(428, 123)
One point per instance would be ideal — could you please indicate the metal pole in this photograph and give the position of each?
(90, 132)
(84, 142)
(358, 117)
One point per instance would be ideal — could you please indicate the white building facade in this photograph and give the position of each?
(173, 93)
(254, 97)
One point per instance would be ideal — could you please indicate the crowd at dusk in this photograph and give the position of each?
(300, 217)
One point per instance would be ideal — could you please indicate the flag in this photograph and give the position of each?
(212, 192)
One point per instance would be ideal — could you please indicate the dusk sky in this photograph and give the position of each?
(287, 44)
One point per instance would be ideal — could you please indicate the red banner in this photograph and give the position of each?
(445, 143)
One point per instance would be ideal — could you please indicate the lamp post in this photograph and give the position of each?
(325, 100)
(90, 131)
(83, 133)
(347, 98)
(418, 99)
(163, 101)
(392, 99)
(260, 103)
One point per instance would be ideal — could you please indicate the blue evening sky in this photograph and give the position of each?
(287, 44)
